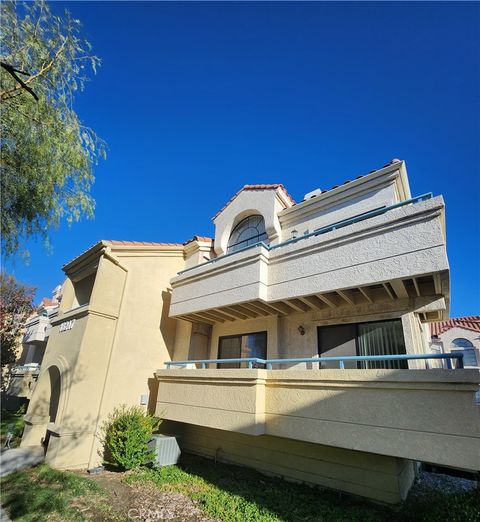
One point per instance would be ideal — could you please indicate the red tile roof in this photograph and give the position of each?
(117, 242)
(198, 238)
(471, 322)
(48, 302)
(273, 186)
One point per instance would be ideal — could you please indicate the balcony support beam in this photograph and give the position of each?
(314, 301)
(415, 284)
(224, 313)
(256, 309)
(389, 292)
(198, 318)
(212, 316)
(235, 313)
(244, 310)
(269, 309)
(282, 307)
(399, 288)
(344, 295)
(327, 301)
(299, 305)
(365, 294)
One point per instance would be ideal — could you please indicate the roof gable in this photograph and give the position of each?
(273, 186)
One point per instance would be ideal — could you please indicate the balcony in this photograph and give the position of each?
(20, 369)
(36, 329)
(425, 415)
(22, 380)
(393, 253)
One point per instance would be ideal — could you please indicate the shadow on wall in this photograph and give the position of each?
(167, 324)
(152, 395)
(47, 422)
(287, 499)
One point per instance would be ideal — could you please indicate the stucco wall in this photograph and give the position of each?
(399, 244)
(108, 355)
(319, 215)
(381, 478)
(398, 413)
(145, 334)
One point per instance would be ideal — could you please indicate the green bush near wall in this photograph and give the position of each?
(127, 432)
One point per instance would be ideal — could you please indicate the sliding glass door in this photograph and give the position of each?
(251, 345)
(381, 338)
(373, 338)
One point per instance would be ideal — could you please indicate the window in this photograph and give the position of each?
(249, 231)
(375, 338)
(466, 347)
(251, 345)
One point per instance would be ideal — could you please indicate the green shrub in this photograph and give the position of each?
(127, 432)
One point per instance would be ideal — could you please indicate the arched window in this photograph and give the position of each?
(249, 231)
(466, 347)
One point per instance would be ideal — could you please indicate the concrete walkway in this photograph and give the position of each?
(4, 517)
(16, 459)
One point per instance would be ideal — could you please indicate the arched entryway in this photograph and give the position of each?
(44, 407)
(55, 388)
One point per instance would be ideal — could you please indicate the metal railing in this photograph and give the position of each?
(319, 231)
(250, 361)
(268, 363)
(24, 368)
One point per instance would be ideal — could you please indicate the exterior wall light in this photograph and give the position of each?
(294, 233)
(301, 330)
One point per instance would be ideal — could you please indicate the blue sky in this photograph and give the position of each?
(197, 99)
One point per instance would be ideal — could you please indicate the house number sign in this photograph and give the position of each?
(67, 325)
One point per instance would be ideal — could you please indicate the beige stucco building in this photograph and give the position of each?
(293, 342)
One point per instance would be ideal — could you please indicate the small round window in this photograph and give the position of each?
(249, 231)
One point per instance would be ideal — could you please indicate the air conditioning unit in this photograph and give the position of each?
(313, 194)
(166, 449)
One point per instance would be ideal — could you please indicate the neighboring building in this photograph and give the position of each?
(356, 271)
(24, 373)
(38, 329)
(458, 335)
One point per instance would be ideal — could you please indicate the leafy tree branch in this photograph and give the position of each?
(47, 153)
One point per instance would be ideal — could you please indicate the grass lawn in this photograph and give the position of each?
(235, 494)
(11, 422)
(222, 492)
(42, 493)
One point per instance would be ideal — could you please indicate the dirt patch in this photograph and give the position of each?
(142, 502)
